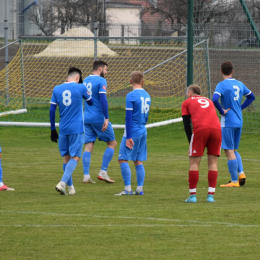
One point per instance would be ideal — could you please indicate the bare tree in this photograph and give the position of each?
(205, 11)
(63, 14)
(45, 20)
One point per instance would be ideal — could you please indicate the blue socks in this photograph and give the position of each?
(140, 174)
(69, 170)
(232, 167)
(239, 162)
(86, 158)
(1, 171)
(126, 173)
(70, 182)
(107, 157)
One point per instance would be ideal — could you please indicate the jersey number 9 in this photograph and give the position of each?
(145, 105)
(203, 102)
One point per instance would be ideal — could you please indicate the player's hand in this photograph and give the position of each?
(225, 111)
(54, 136)
(105, 125)
(130, 143)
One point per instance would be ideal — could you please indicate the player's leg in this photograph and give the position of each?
(86, 159)
(72, 190)
(212, 176)
(2, 185)
(228, 144)
(214, 149)
(73, 145)
(1, 170)
(196, 151)
(107, 136)
(123, 158)
(63, 143)
(193, 178)
(126, 174)
(75, 149)
(140, 145)
(240, 169)
(89, 139)
(140, 175)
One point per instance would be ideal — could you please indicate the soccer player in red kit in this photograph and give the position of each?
(206, 133)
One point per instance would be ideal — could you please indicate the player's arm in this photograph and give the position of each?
(104, 103)
(128, 125)
(86, 96)
(217, 104)
(250, 97)
(104, 107)
(187, 126)
(90, 101)
(128, 120)
(54, 134)
(186, 119)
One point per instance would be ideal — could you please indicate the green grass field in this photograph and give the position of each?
(38, 223)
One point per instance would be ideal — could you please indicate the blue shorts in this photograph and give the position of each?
(0, 149)
(71, 145)
(231, 137)
(139, 151)
(92, 131)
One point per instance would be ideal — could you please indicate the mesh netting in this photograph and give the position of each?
(40, 65)
(232, 37)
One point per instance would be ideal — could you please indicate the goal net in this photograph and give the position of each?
(42, 63)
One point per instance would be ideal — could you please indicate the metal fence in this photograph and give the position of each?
(104, 29)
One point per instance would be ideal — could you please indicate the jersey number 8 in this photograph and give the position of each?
(66, 98)
(145, 105)
(89, 88)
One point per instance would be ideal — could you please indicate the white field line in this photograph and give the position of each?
(108, 225)
(141, 218)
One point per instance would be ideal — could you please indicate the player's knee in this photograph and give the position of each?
(121, 161)
(112, 144)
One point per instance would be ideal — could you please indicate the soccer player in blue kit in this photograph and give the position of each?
(231, 91)
(133, 145)
(68, 96)
(96, 122)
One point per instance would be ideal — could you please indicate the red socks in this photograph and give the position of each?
(193, 181)
(212, 178)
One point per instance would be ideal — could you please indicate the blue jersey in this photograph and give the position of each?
(68, 96)
(95, 85)
(139, 102)
(231, 92)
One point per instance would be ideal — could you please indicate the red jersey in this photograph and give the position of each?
(202, 112)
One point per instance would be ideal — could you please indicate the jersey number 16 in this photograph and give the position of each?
(145, 105)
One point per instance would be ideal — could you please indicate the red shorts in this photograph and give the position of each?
(210, 138)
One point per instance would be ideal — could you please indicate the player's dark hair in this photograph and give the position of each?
(195, 89)
(137, 77)
(74, 70)
(227, 68)
(98, 63)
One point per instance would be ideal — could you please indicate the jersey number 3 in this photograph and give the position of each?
(66, 98)
(236, 92)
(145, 105)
